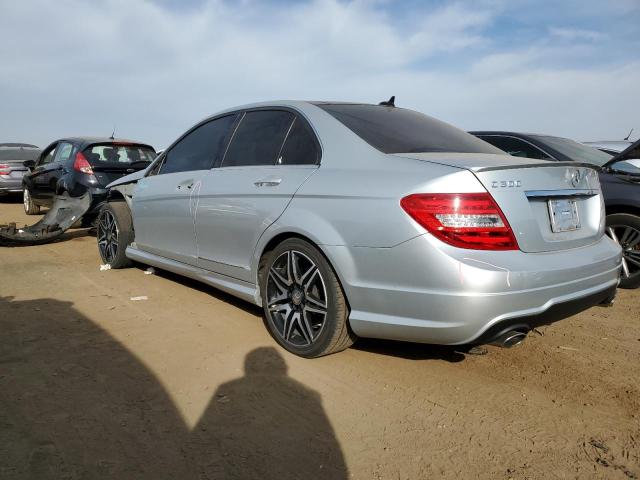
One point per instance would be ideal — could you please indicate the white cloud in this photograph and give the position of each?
(576, 34)
(74, 67)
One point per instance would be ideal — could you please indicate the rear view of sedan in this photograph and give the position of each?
(12, 156)
(345, 220)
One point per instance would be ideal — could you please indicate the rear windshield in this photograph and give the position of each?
(574, 150)
(12, 153)
(119, 154)
(397, 130)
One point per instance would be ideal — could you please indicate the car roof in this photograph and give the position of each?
(512, 134)
(91, 140)
(17, 145)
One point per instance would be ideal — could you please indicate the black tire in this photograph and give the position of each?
(115, 234)
(30, 208)
(295, 319)
(624, 228)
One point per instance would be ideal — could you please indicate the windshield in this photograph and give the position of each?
(575, 151)
(122, 155)
(398, 130)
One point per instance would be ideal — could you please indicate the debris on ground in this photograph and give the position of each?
(150, 271)
(64, 213)
(137, 299)
(569, 348)
(106, 266)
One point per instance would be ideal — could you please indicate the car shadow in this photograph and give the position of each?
(208, 289)
(76, 403)
(412, 351)
(11, 198)
(407, 350)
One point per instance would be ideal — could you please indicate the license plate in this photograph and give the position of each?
(564, 215)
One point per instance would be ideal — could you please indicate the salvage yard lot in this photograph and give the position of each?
(93, 384)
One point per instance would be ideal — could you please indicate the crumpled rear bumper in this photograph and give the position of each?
(64, 212)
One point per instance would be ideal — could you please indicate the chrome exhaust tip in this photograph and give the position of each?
(510, 339)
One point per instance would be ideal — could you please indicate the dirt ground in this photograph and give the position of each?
(187, 384)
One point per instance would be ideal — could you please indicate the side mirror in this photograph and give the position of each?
(30, 164)
(630, 167)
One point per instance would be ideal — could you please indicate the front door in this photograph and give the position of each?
(164, 202)
(48, 170)
(270, 156)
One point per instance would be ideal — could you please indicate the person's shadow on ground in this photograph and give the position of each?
(75, 403)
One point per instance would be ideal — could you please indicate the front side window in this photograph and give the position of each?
(48, 155)
(200, 148)
(258, 138)
(398, 130)
(516, 147)
(300, 147)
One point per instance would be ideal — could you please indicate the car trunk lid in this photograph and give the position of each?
(550, 205)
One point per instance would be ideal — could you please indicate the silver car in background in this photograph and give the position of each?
(12, 156)
(345, 220)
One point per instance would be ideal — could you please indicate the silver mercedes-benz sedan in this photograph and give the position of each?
(345, 220)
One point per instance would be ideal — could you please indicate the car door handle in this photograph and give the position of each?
(188, 185)
(268, 182)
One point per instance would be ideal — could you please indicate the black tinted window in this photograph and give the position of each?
(397, 130)
(199, 149)
(516, 147)
(300, 147)
(258, 138)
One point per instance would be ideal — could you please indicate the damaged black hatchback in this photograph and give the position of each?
(79, 165)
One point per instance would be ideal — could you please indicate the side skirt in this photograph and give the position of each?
(238, 288)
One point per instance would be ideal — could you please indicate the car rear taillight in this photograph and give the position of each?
(4, 169)
(464, 220)
(81, 164)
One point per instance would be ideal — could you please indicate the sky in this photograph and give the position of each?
(152, 68)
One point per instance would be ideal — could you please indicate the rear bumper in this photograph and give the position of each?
(425, 291)
(10, 184)
(554, 313)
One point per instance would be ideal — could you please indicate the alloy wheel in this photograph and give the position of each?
(26, 199)
(108, 236)
(297, 298)
(629, 240)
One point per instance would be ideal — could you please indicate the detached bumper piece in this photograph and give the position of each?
(61, 216)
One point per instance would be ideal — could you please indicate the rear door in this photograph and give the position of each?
(164, 202)
(269, 157)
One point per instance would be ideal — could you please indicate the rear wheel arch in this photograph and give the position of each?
(281, 237)
(628, 209)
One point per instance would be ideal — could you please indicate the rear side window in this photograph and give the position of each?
(300, 147)
(120, 155)
(516, 147)
(63, 152)
(200, 148)
(398, 130)
(258, 139)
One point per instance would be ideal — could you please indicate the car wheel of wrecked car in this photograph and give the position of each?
(305, 308)
(624, 229)
(115, 234)
(30, 208)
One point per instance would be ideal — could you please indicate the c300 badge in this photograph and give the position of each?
(506, 184)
